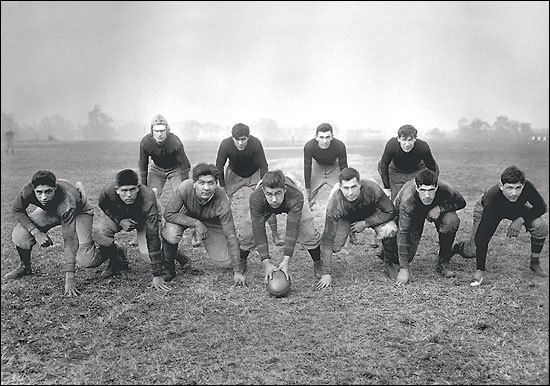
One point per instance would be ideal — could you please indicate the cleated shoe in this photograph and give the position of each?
(445, 270)
(19, 272)
(186, 266)
(537, 269)
(124, 264)
(478, 278)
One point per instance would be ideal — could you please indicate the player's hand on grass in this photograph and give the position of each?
(358, 226)
(42, 238)
(70, 285)
(159, 284)
(268, 268)
(324, 282)
(128, 224)
(402, 277)
(515, 227)
(434, 214)
(239, 279)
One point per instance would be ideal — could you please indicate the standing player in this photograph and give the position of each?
(247, 166)
(516, 199)
(169, 159)
(8, 136)
(324, 158)
(424, 198)
(353, 206)
(404, 156)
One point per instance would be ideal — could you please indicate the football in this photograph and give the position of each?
(278, 286)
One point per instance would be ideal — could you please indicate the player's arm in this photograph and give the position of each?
(221, 159)
(383, 166)
(185, 165)
(143, 163)
(70, 240)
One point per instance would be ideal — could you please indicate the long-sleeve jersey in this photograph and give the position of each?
(185, 208)
(66, 205)
(167, 155)
(372, 206)
(144, 211)
(496, 207)
(419, 157)
(412, 213)
(260, 211)
(336, 151)
(243, 162)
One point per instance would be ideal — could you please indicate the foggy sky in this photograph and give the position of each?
(356, 65)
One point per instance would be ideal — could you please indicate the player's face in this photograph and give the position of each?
(127, 193)
(512, 191)
(240, 142)
(350, 189)
(44, 193)
(426, 193)
(407, 143)
(323, 139)
(160, 132)
(205, 186)
(274, 196)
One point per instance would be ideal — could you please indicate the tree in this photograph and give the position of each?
(474, 130)
(510, 128)
(99, 126)
(9, 123)
(265, 128)
(436, 133)
(56, 127)
(463, 122)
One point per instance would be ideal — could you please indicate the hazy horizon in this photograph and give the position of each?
(356, 65)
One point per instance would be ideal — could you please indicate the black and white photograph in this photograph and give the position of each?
(275, 192)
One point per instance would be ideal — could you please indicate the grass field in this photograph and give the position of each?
(362, 330)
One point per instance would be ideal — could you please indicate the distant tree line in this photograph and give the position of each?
(101, 126)
(503, 128)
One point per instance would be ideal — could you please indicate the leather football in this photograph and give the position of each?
(278, 286)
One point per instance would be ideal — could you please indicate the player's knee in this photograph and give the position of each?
(449, 223)
(172, 232)
(386, 230)
(87, 255)
(103, 236)
(22, 238)
(539, 228)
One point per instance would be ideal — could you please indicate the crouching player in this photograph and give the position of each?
(516, 199)
(354, 205)
(58, 202)
(278, 193)
(425, 198)
(126, 206)
(201, 204)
